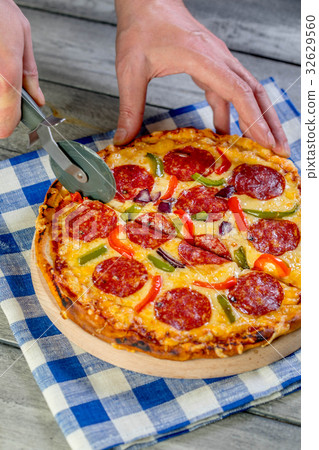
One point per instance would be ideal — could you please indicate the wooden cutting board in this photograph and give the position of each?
(143, 363)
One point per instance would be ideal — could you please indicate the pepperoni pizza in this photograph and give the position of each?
(197, 256)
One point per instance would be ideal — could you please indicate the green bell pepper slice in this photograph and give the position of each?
(95, 253)
(240, 258)
(178, 224)
(131, 212)
(207, 181)
(203, 216)
(271, 214)
(160, 264)
(157, 163)
(224, 303)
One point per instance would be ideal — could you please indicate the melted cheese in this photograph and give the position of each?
(120, 310)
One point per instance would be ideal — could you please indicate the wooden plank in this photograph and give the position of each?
(86, 113)
(81, 54)
(6, 153)
(23, 404)
(94, 10)
(234, 22)
(254, 27)
(286, 409)
(6, 335)
(26, 421)
(239, 431)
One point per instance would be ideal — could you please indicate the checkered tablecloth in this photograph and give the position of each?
(98, 405)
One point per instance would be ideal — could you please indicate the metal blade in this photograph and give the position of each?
(49, 121)
(52, 121)
(33, 138)
(100, 184)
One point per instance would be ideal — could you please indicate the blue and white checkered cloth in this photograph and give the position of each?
(98, 405)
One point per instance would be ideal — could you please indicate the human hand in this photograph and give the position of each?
(156, 38)
(17, 66)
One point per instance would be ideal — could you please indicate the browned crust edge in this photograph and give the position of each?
(132, 340)
(42, 238)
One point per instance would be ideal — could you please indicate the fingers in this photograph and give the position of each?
(17, 67)
(251, 115)
(220, 107)
(132, 84)
(221, 112)
(30, 71)
(10, 88)
(269, 113)
(220, 79)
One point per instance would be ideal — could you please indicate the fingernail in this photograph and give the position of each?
(119, 136)
(271, 140)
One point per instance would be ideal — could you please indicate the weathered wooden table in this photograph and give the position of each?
(74, 48)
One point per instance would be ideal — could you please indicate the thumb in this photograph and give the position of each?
(30, 71)
(132, 85)
(10, 87)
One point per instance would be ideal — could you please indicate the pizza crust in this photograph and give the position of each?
(118, 324)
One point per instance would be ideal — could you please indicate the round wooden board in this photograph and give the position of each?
(143, 363)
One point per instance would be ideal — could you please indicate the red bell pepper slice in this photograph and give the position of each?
(234, 206)
(152, 294)
(118, 245)
(173, 182)
(225, 163)
(230, 282)
(76, 197)
(187, 222)
(281, 267)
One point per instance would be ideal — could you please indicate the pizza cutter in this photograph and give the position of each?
(77, 167)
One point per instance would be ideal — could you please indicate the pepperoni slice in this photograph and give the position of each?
(145, 237)
(274, 236)
(120, 276)
(184, 162)
(256, 293)
(183, 309)
(257, 181)
(212, 244)
(91, 220)
(201, 198)
(130, 180)
(158, 222)
(193, 256)
(150, 230)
